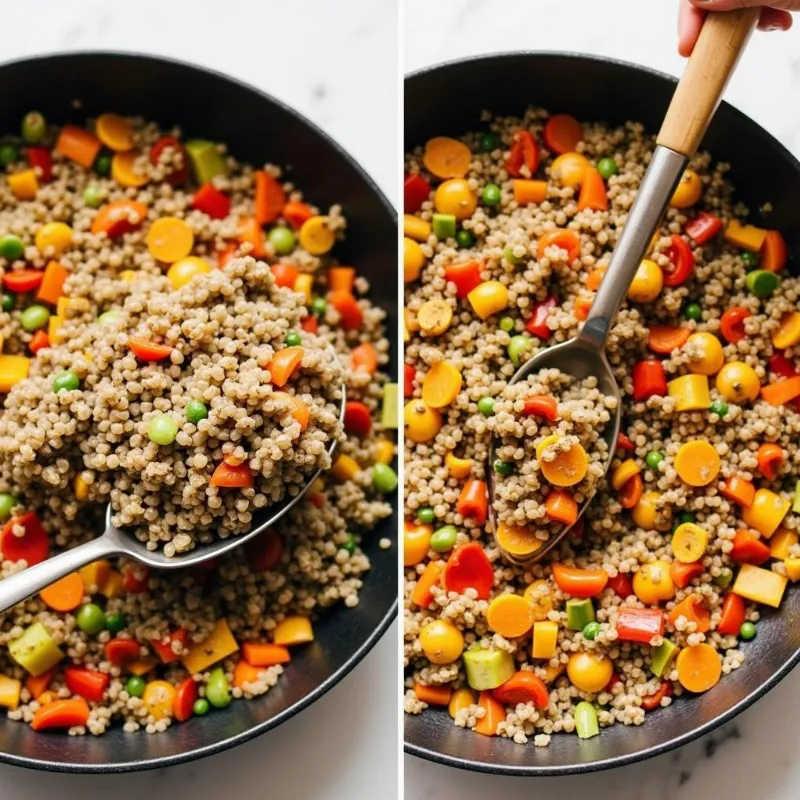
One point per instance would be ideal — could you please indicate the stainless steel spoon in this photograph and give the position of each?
(697, 95)
(116, 542)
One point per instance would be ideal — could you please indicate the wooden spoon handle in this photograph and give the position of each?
(722, 40)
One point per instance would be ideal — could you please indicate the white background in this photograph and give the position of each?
(757, 755)
(334, 62)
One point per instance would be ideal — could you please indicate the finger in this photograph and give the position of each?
(775, 19)
(727, 5)
(690, 20)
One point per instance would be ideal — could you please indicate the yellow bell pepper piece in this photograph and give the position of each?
(345, 468)
(788, 332)
(129, 275)
(551, 672)
(416, 228)
(293, 630)
(53, 325)
(304, 283)
(12, 370)
(748, 237)
(760, 585)
(624, 472)
(690, 392)
(24, 185)
(458, 467)
(158, 698)
(792, 568)
(112, 586)
(95, 575)
(461, 698)
(545, 639)
(780, 543)
(81, 488)
(766, 512)
(406, 334)
(10, 689)
(384, 451)
(141, 666)
(62, 305)
(217, 645)
(488, 298)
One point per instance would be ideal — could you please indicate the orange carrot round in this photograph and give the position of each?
(446, 158)
(562, 133)
(664, 339)
(699, 667)
(65, 594)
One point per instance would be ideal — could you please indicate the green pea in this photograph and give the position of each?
(444, 538)
(292, 339)
(350, 544)
(195, 411)
(34, 317)
(723, 580)
(750, 260)
(491, 194)
(102, 164)
(464, 238)
(8, 154)
(7, 502)
(34, 127)
(217, 690)
(116, 622)
(162, 429)
(762, 282)
(90, 618)
(135, 685)
(487, 142)
(506, 324)
(201, 707)
(518, 345)
(685, 516)
(747, 631)
(486, 406)
(11, 247)
(66, 381)
(384, 478)
(282, 240)
(590, 630)
(318, 305)
(719, 407)
(426, 515)
(93, 196)
(607, 167)
(653, 459)
(111, 317)
(9, 301)
(693, 311)
(509, 256)
(503, 467)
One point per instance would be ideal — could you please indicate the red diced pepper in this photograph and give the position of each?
(524, 152)
(211, 201)
(87, 683)
(465, 276)
(416, 191)
(541, 405)
(649, 379)
(469, 568)
(681, 260)
(135, 579)
(749, 549)
(621, 585)
(780, 366)
(639, 624)
(537, 322)
(653, 701)
(40, 158)
(409, 373)
(39, 341)
(733, 615)
(625, 444)
(163, 646)
(179, 176)
(473, 502)
(703, 227)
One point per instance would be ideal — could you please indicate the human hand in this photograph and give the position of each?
(775, 17)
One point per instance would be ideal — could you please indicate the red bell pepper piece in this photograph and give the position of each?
(270, 197)
(653, 701)
(135, 579)
(613, 681)
(537, 322)
(749, 549)
(118, 651)
(621, 585)
(310, 323)
(579, 582)
(625, 444)
(177, 177)
(357, 419)
(416, 191)
(465, 276)
(296, 213)
(473, 502)
(703, 227)
(183, 702)
(541, 405)
(409, 373)
(681, 262)
(649, 379)
(163, 646)
(39, 341)
(733, 615)
(523, 687)
(86, 683)
(731, 324)
(639, 624)
(469, 568)
(524, 152)
(781, 366)
(22, 281)
(40, 158)
(682, 573)
(211, 201)
(265, 551)
(33, 545)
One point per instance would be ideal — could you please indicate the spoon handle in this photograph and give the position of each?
(22, 585)
(722, 39)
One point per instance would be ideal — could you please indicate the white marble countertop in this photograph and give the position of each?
(755, 755)
(330, 61)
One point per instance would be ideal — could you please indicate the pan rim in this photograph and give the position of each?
(386, 620)
(537, 770)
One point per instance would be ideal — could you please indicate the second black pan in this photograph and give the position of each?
(447, 100)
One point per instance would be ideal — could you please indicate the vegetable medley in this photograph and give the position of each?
(175, 334)
(694, 532)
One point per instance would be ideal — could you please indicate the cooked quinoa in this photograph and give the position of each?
(692, 533)
(187, 326)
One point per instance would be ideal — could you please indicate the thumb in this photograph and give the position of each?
(728, 5)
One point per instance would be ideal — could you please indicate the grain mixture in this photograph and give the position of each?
(176, 333)
(695, 530)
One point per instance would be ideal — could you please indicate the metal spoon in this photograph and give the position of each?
(116, 542)
(721, 42)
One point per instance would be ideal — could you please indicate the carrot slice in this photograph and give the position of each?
(421, 593)
(52, 286)
(739, 490)
(78, 145)
(249, 232)
(446, 158)
(495, 714)
(264, 654)
(285, 275)
(114, 132)
(349, 311)
(664, 339)
(122, 216)
(565, 239)
(560, 506)
(510, 615)
(631, 492)
(682, 573)
(284, 363)
(364, 357)
(432, 695)
(37, 685)
(693, 608)
(781, 392)
(341, 279)
(244, 673)
(594, 279)
(593, 192)
(65, 594)
(699, 667)
(562, 133)
(773, 252)
(61, 714)
(230, 476)
(270, 198)
(770, 458)
(527, 191)
(146, 350)
(523, 687)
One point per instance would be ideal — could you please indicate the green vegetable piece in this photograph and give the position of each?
(444, 226)
(747, 631)
(487, 669)
(8, 154)
(509, 256)
(384, 478)
(693, 311)
(464, 239)
(8, 301)
(11, 247)
(607, 167)
(580, 612)
(796, 503)
(389, 409)
(591, 630)
(723, 580)
(350, 544)
(34, 317)
(506, 324)
(491, 194)
(7, 502)
(91, 618)
(444, 538)
(487, 142)
(135, 685)
(719, 407)
(282, 240)
(486, 406)
(207, 161)
(34, 127)
(196, 411)
(750, 260)
(116, 622)
(685, 516)
(653, 459)
(503, 467)
(762, 282)
(661, 656)
(201, 707)
(586, 723)
(111, 317)
(426, 515)
(162, 429)
(35, 651)
(93, 196)
(66, 381)
(102, 164)
(518, 346)
(292, 339)
(217, 689)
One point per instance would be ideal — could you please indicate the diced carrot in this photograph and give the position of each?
(61, 714)
(594, 279)
(527, 191)
(349, 311)
(296, 213)
(631, 492)
(364, 357)
(773, 252)
(310, 323)
(781, 392)
(285, 274)
(770, 457)
(563, 238)
(149, 351)
(65, 594)
(541, 405)
(270, 198)
(52, 285)
(122, 216)
(739, 490)
(495, 714)
(38, 684)
(421, 593)
(432, 695)
(283, 364)
(78, 145)
(523, 687)
(682, 573)
(297, 408)
(583, 305)
(593, 192)
(560, 506)
(249, 232)
(473, 501)
(264, 654)
(245, 673)
(227, 476)
(664, 339)
(693, 608)
(562, 133)
(341, 279)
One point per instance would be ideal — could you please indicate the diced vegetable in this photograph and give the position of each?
(35, 650)
(661, 656)
(469, 568)
(62, 714)
(217, 645)
(691, 392)
(699, 667)
(523, 687)
(748, 237)
(545, 639)
(766, 512)
(586, 724)
(206, 160)
(760, 585)
(510, 615)
(487, 668)
(580, 612)
(579, 582)
(639, 624)
(649, 379)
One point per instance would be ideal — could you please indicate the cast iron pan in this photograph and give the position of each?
(257, 128)
(448, 99)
